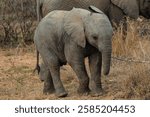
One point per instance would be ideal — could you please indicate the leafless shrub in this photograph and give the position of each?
(17, 21)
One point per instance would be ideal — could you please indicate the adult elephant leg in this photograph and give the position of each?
(117, 16)
(54, 68)
(95, 64)
(47, 78)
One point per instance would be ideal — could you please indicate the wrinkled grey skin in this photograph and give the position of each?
(70, 36)
(45, 76)
(114, 9)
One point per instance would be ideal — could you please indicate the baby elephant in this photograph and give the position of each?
(68, 37)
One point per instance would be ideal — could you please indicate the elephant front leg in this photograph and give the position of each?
(75, 58)
(79, 68)
(95, 64)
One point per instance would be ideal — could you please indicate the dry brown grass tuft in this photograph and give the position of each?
(137, 85)
(135, 47)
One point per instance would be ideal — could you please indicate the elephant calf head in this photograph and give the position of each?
(92, 27)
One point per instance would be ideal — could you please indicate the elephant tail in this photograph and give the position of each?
(37, 63)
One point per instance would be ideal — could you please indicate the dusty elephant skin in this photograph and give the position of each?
(114, 9)
(70, 36)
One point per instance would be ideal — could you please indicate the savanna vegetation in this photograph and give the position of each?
(130, 70)
(17, 21)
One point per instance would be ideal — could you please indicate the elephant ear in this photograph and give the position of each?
(94, 9)
(129, 7)
(73, 25)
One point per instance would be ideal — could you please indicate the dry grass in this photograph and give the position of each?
(127, 80)
(136, 47)
(137, 85)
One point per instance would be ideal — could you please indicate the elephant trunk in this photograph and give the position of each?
(106, 57)
(106, 61)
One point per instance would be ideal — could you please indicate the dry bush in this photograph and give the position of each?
(135, 51)
(137, 85)
(17, 21)
(135, 45)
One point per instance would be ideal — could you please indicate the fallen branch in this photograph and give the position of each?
(129, 60)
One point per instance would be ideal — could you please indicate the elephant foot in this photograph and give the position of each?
(83, 91)
(47, 91)
(96, 89)
(63, 94)
(96, 93)
(48, 88)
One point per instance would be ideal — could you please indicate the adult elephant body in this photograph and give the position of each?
(114, 9)
(46, 6)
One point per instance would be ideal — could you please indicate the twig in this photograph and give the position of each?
(129, 60)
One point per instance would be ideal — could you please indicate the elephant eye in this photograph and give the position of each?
(95, 37)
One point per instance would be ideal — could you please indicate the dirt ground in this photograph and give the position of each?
(17, 80)
(129, 77)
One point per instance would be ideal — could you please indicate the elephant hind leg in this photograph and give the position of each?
(54, 69)
(59, 88)
(47, 78)
(48, 85)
